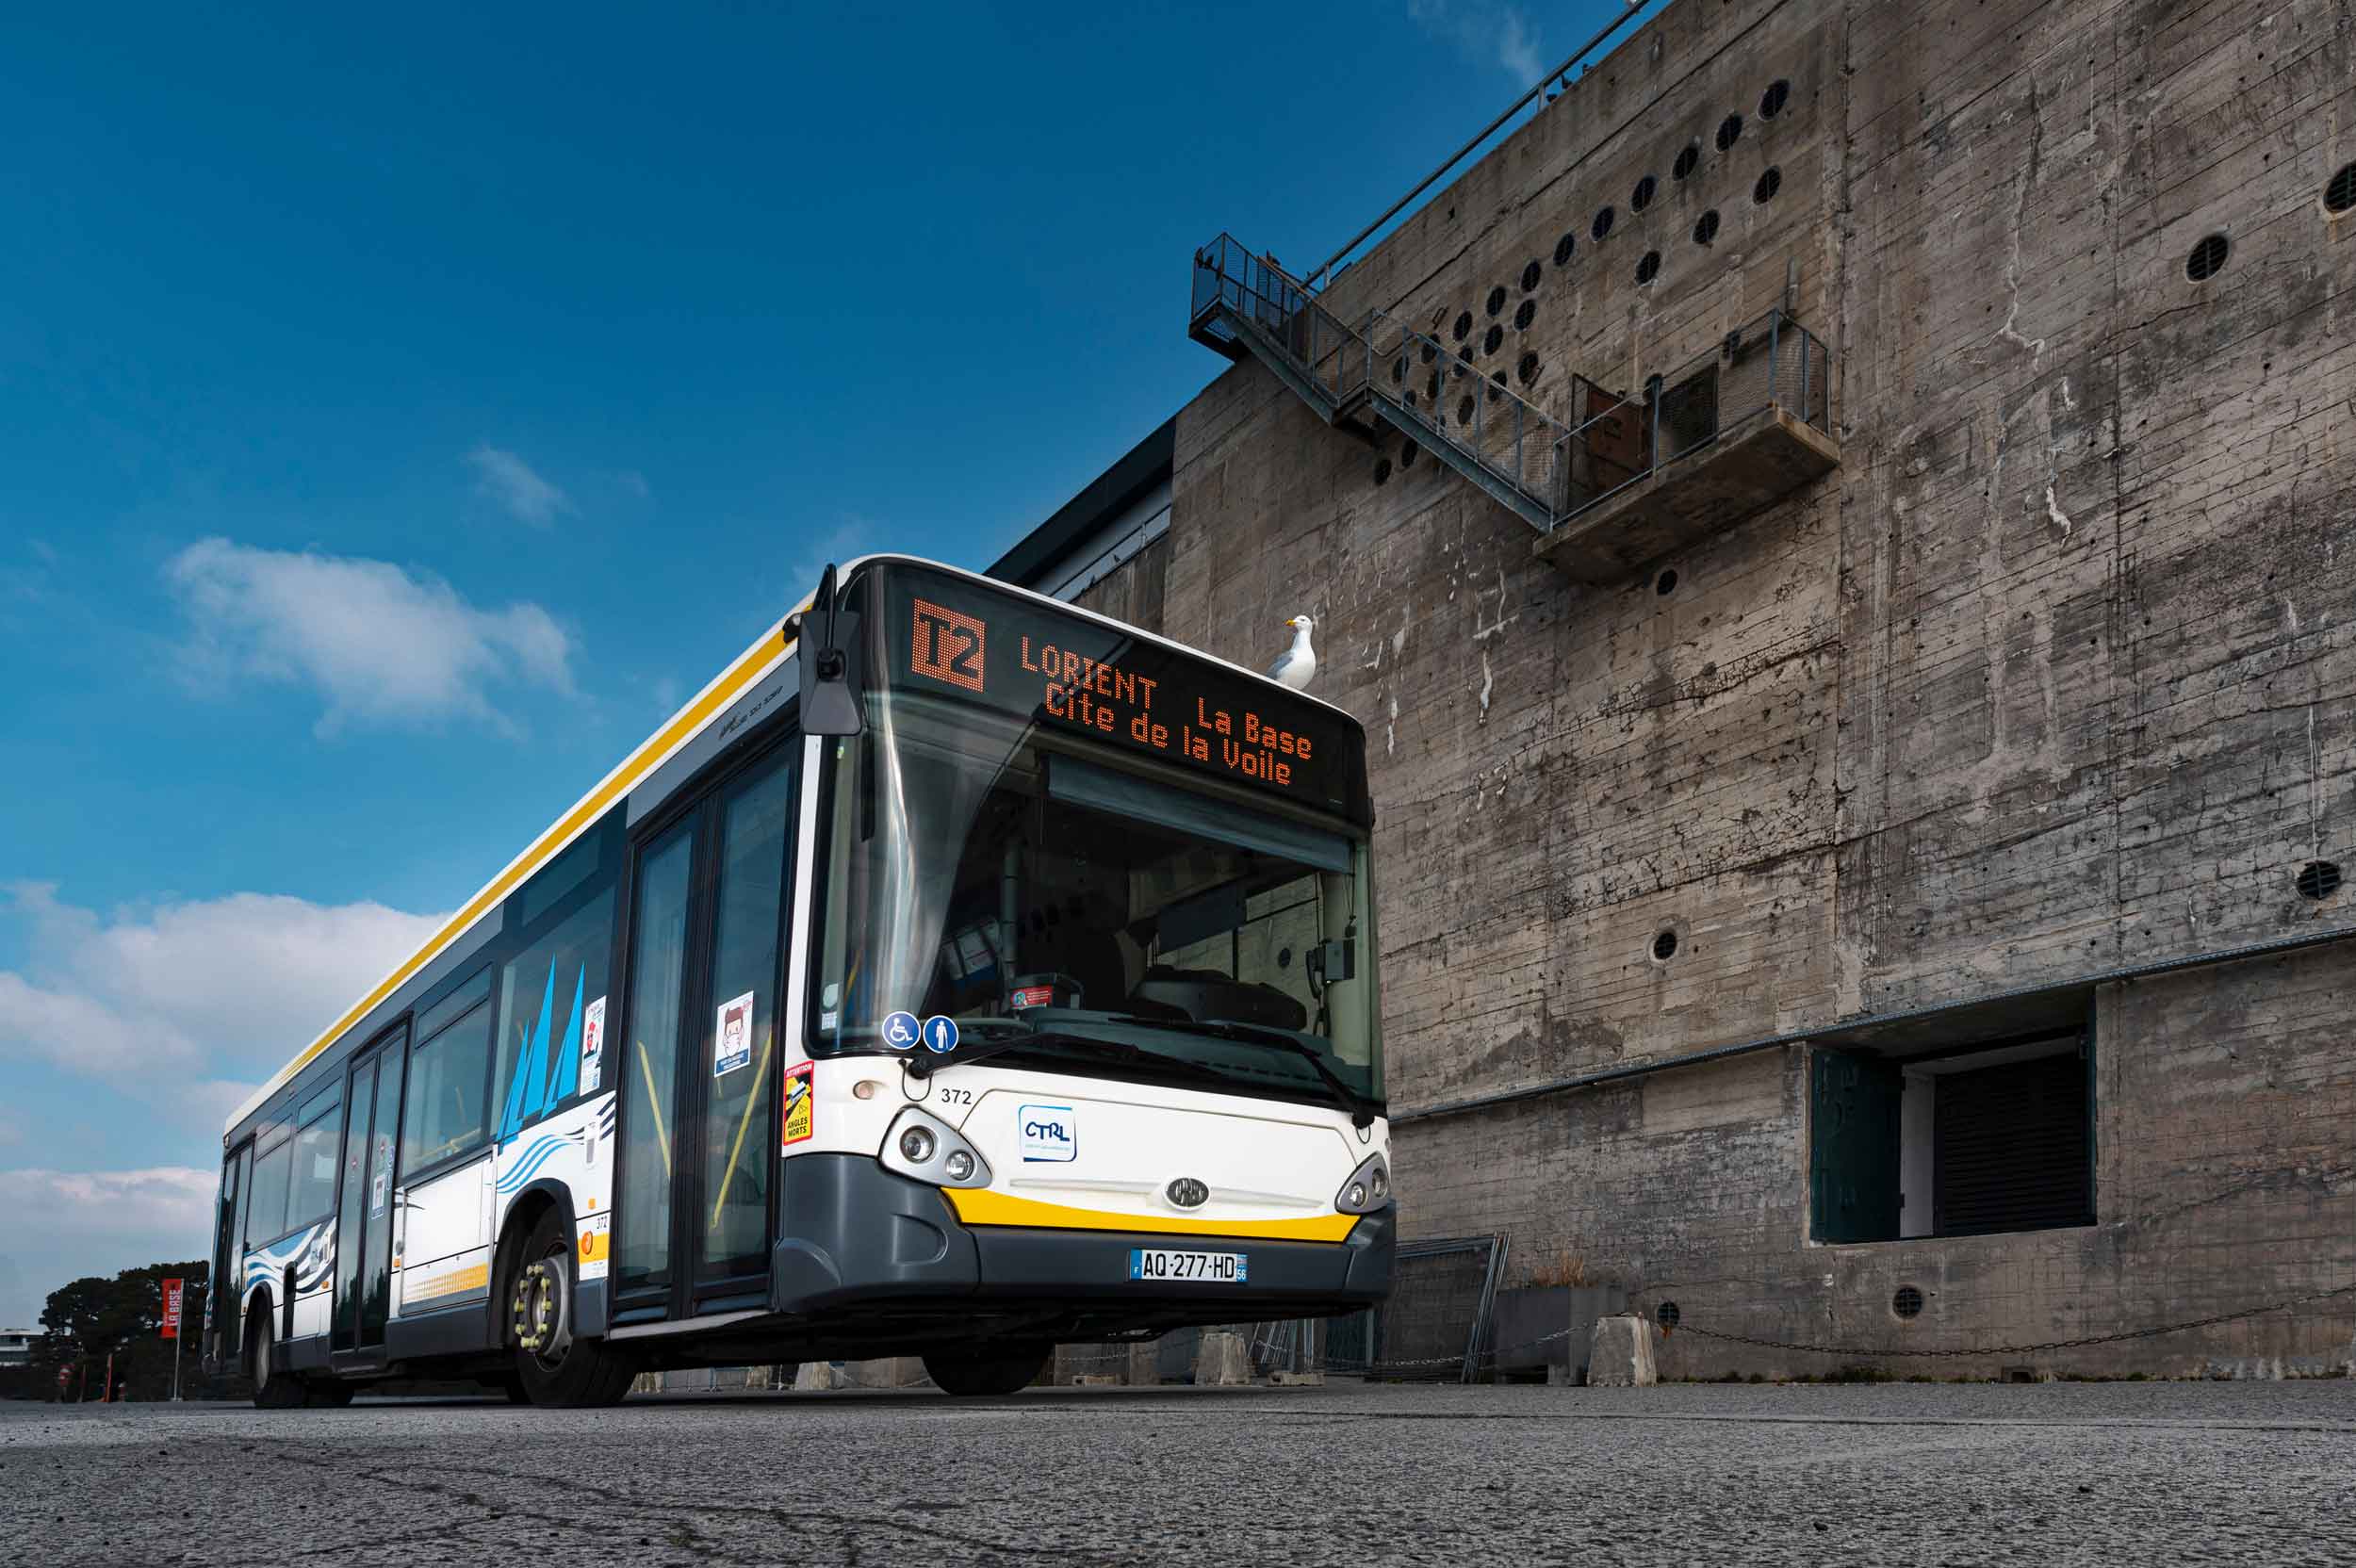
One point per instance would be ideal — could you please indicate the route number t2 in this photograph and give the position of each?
(947, 647)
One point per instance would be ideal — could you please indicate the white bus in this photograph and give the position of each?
(959, 973)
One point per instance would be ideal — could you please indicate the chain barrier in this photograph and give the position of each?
(1261, 1347)
(1883, 1353)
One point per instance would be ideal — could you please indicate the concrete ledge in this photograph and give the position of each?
(1691, 498)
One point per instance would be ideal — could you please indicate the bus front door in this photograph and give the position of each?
(364, 1223)
(699, 1121)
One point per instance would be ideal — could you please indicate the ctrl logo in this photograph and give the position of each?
(1049, 1132)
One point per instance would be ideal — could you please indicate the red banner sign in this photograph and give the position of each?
(171, 1309)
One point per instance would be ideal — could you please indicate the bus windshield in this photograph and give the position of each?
(1088, 917)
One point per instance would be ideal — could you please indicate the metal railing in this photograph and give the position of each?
(1454, 402)
(1470, 414)
(1621, 440)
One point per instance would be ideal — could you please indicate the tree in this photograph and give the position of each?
(90, 1318)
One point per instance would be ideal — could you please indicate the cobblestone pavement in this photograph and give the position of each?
(2135, 1473)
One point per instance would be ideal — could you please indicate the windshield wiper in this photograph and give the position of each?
(1360, 1108)
(924, 1067)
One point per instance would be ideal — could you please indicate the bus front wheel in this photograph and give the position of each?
(553, 1366)
(987, 1370)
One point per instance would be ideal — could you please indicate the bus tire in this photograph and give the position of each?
(991, 1370)
(273, 1389)
(551, 1366)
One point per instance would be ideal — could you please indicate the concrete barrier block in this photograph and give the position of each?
(817, 1377)
(1619, 1353)
(1221, 1361)
(1145, 1368)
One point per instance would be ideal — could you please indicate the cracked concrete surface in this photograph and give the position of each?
(1895, 1474)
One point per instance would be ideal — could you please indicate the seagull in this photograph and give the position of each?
(1298, 665)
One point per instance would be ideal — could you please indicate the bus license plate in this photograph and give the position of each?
(1156, 1263)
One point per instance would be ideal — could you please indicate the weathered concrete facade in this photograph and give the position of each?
(2053, 676)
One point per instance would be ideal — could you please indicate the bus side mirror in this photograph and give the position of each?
(827, 634)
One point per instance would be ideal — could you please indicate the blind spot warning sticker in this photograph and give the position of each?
(800, 1109)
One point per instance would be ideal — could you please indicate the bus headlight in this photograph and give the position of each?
(1367, 1189)
(923, 1145)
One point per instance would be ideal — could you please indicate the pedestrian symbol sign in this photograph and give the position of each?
(940, 1033)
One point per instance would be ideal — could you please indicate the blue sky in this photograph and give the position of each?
(400, 411)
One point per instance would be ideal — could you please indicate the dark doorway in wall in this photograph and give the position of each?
(1962, 1138)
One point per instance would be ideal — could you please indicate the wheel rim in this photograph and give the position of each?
(544, 1328)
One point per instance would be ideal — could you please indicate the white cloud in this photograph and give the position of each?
(177, 1009)
(66, 1224)
(381, 644)
(508, 480)
(165, 998)
(1489, 34)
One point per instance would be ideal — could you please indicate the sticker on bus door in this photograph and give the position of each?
(732, 1045)
(592, 1045)
(799, 1120)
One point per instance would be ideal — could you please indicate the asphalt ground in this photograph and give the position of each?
(2116, 1473)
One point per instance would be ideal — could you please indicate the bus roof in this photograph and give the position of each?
(767, 651)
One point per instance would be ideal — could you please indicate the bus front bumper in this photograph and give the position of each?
(857, 1235)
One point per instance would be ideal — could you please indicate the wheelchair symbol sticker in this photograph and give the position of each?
(940, 1033)
(899, 1030)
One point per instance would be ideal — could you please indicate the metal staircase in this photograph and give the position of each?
(1382, 373)
(1718, 438)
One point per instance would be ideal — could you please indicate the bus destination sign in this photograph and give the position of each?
(1077, 675)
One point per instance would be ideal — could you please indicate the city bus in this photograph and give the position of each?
(959, 973)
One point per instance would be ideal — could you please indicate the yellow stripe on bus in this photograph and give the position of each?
(980, 1206)
(749, 667)
(446, 1285)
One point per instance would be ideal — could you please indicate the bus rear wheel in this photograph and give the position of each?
(983, 1371)
(552, 1365)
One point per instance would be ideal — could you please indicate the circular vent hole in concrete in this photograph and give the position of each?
(1705, 227)
(1531, 274)
(1491, 339)
(1641, 198)
(1769, 183)
(1907, 1302)
(1381, 470)
(1527, 369)
(2208, 258)
(1667, 1315)
(1650, 268)
(1464, 409)
(1729, 131)
(1407, 450)
(2319, 879)
(1398, 369)
(1463, 325)
(1665, 584)
(1495, 302)
(1664, 946)
(1691, 156)
(2340, 194)
(1772, 101)
(1602, 225)
(1525, 314)
(1564, 247)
